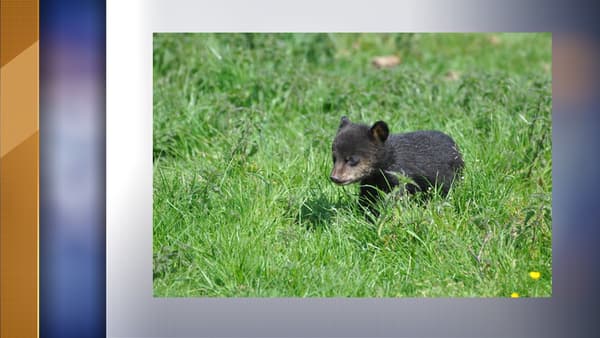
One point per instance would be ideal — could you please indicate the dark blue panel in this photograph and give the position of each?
(72, 169)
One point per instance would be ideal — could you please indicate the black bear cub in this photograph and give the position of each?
(373, 157)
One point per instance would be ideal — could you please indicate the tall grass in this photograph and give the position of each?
(243, 205)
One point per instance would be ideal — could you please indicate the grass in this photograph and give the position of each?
(243, 205)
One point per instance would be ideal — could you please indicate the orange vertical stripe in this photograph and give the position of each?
(19, 168)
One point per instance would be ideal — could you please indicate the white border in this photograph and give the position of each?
(131, 309)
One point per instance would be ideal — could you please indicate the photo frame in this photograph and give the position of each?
(131, 308)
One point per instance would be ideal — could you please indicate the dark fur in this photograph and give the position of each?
(373, 157)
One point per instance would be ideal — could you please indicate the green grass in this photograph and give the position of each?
(243, 205)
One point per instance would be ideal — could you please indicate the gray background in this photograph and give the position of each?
(131, 309)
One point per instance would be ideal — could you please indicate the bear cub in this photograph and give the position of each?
(373, 157)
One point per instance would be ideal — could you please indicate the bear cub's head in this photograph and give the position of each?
(357, 151)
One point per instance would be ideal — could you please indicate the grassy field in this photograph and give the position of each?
(243, 204)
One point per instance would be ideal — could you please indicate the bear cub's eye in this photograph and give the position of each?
(352, 160)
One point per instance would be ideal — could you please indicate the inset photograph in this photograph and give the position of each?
(352, 165)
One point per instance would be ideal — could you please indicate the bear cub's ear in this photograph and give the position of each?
(380, 131)
(343, 122)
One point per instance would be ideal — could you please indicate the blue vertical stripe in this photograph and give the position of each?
(72, 169)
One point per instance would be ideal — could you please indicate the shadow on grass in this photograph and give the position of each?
(170, 258)
(318, 212)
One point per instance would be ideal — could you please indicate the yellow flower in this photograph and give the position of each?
(514, 295)
(535, 275)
